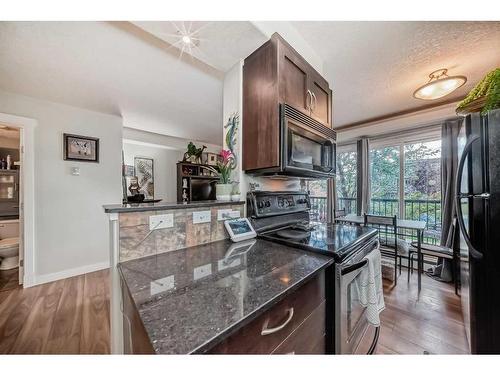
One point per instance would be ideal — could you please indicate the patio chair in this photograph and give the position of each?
(391, 245)
(440, 252)
(339, 213)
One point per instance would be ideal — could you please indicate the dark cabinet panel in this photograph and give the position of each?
(293, 73)
(260, 109)
(267, 332)
(274, 74)
(309, 338)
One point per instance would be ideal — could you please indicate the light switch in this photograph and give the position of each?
(161, 221)
(202, 217)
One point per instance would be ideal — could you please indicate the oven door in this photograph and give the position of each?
(352, 322)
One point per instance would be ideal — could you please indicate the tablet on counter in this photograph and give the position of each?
(239, 229)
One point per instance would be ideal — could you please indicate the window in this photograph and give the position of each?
(346, 179)
(385, 180)
(406, 182)
(318, 194)
(422, 186)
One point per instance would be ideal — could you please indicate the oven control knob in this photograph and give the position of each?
(260, 204)
(268, 204)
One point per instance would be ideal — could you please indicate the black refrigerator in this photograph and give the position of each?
(478, 212)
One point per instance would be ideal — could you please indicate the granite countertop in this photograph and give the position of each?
(210, 291)
(160, 206)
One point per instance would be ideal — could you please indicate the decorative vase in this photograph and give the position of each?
(223, 192)
(235, 197)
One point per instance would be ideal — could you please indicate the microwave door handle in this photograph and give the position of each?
(472, 250)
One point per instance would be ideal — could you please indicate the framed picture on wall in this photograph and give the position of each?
(80, 148)
(144, 170)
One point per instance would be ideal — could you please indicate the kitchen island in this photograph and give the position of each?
(224, 297)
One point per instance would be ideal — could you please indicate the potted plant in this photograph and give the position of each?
(224, 188)
(484, 97)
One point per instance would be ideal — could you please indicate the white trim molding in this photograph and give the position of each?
(47, 278)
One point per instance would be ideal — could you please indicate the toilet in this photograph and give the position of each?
(9, 245)
(9, 253)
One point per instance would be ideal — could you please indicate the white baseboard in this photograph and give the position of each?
(47, 278)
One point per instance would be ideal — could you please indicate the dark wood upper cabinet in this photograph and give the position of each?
(275, 73)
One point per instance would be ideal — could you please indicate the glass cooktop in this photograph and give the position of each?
(335, 240)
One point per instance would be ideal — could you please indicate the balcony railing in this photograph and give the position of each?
(428, 210)
(318, 209)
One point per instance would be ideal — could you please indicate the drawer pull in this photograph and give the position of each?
(268, 331)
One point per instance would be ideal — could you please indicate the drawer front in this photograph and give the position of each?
(269, 330)
(309, 337)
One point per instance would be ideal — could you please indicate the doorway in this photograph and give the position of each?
(17, 201)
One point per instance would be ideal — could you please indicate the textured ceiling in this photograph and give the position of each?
(112, 69)
(134, 71)
(374, 67)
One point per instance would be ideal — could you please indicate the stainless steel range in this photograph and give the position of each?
(284, 217)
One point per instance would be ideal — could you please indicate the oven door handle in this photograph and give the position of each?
(373, 346)
(353, 267)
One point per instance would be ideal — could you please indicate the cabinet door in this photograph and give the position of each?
(321, 104)
(293, 75)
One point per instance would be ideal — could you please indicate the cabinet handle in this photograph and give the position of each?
(309, 100)
(268, 331)
(313, 96)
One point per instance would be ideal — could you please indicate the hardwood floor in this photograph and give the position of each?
(71, 316)
(68, 316)
(9, 279)
(430, 323)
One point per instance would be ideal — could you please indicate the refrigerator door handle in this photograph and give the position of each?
(474, 253)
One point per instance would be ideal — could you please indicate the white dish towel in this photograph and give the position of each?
(369, 288)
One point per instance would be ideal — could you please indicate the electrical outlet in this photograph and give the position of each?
(161, 221)
(226, 214)
(162, 285)
(202, 271)
(202, 217)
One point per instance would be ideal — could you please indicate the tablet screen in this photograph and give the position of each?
(239, 227)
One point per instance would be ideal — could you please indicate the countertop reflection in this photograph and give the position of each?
(191, 299)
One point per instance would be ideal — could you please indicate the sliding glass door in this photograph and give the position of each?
(422, 186)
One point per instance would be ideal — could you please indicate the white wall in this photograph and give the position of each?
(71, 229)
(164, 167)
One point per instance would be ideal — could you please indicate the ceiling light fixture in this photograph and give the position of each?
(186, 39)
(439, 85)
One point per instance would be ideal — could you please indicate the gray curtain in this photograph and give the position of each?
(363, 188)
(449, 161)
